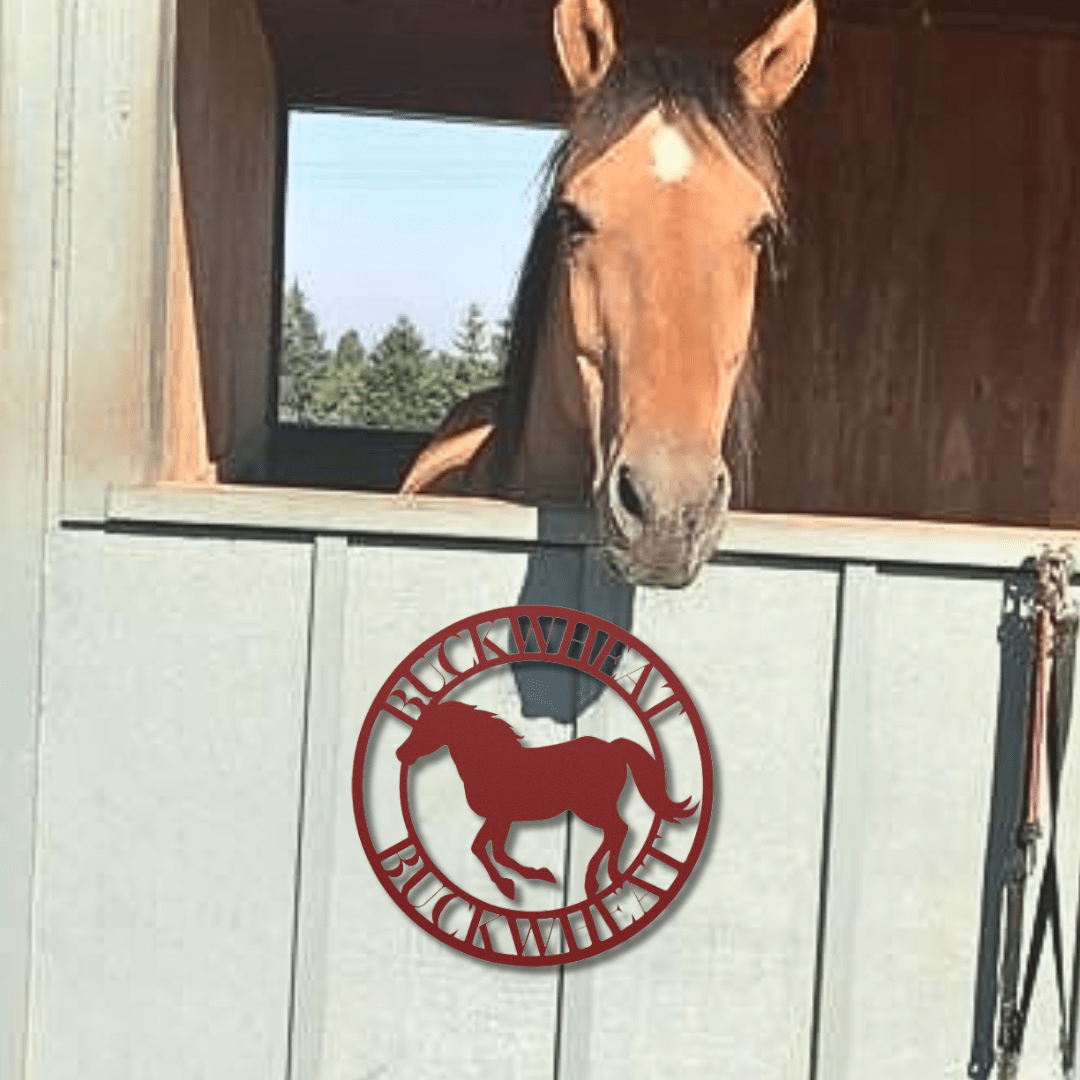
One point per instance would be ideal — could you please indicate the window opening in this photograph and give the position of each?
(402, 243)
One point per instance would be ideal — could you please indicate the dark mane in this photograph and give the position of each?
(494, 727)
(700, 88)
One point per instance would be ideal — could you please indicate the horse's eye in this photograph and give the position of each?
(765, 235)
(766, 238)
(574, 226)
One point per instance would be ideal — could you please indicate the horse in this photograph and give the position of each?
(632, 321)
(507, 782)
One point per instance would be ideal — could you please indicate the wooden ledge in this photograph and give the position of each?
(749, 535)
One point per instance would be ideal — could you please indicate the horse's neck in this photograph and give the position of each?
(472, 758)
(554, 460)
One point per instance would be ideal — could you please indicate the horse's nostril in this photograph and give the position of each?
(628, 495)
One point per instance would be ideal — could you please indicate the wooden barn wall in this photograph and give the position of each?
(222, 222)
(495, 58)
(923, 357)
(467, 57)
(30, 352)
(202, 905)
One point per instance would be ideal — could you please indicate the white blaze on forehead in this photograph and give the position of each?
(672, 157)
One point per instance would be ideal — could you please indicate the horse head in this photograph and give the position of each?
(663, 227)
(428, 735)
(458, 725)
(632, 324)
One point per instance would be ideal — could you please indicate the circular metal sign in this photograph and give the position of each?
(423, 706)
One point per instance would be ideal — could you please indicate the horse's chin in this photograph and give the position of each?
(650, 574)
(656, 565)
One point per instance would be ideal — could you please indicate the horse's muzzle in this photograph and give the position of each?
(663, 516)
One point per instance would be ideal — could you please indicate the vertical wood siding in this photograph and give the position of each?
(922, 359)
(222, 199)
(203, 696)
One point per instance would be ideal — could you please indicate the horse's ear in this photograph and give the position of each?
(585, 42)
(770, 68)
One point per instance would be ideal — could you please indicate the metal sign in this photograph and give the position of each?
(628, 881)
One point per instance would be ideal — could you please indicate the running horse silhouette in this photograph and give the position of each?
(632, 322)
(506, 782)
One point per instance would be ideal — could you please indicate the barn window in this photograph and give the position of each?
(401, 243)
(254, 86)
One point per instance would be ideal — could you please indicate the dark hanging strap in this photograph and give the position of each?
(1056, 619)
(1068, 1048)
(1063, 689)
(1048, 911)
(1013, 1011)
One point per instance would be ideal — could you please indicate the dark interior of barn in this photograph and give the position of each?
(921, 357)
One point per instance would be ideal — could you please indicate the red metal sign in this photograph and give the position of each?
(424, 706)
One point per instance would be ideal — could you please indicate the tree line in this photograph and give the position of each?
(398, 383)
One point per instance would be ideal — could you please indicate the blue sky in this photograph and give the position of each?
(391, 216)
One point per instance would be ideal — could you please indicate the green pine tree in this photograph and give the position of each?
(400, 381)
(500, 343)
(339, 391)
(398, 384)
(471, 340)
(303, 357)
(475, 365)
